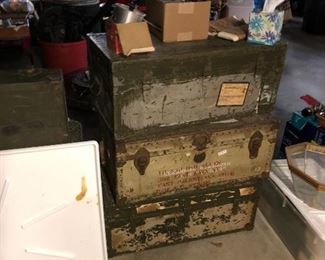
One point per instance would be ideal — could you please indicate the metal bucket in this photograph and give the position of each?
(122, 14)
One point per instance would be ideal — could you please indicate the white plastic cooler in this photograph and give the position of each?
(51, 203)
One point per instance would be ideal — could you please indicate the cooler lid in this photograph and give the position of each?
(307, 160)
(51, 203)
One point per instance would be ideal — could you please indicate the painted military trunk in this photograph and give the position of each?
(183, 83)
(174, 163)
(32, 108)
(178, 219)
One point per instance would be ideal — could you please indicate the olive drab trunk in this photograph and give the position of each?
(187, 137)
(176, 219)
(32, 108)
(183, 84)
(191, 159)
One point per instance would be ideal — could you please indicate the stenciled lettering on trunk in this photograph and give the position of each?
(201, 175)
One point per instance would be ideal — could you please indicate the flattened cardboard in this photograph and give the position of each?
(178, 21)
(229, 28)
(135, 38)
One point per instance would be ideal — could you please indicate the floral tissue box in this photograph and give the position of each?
(265, 28)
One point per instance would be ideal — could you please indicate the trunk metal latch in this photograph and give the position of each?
(200, 142)
(141, 160)
(254, 144)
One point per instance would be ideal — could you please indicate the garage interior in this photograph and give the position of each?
(281, 230)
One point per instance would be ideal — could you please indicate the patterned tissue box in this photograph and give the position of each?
(265, 28)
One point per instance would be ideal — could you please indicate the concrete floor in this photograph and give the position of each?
(304, 72)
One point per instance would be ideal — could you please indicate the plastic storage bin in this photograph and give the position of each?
(300, 227)
(307, 164)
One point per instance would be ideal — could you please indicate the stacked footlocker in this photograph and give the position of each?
(187, 137)
(32, 109)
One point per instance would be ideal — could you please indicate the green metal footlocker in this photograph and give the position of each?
(175, 219)
(183, 84)
(32, 108)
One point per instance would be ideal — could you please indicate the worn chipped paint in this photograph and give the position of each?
(187, 217)
(146, 90)
(266, 94)
(167, 165)
(193, 100)
(218, 219)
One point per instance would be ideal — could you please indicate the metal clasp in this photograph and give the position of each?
(141, 160)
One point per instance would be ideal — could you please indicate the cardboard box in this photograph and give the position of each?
(178, 21)
(129, 38)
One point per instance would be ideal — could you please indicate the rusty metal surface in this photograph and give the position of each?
(32, 108)
(146, 90)
(179, 219)
(182, 162)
